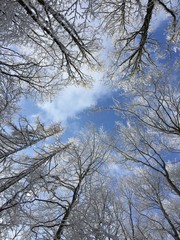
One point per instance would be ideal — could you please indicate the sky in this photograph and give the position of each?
(74, 106)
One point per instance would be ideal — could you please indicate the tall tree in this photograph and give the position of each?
(135, 45)
(150, 136)
(51, 192)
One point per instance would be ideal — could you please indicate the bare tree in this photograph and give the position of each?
(45, 44)
(9, 95)
(155, 101)
(136, 206)
(19, 137)
(18, 141)
(155, 203)
(129, 24)
(151, 134)
(54, 186)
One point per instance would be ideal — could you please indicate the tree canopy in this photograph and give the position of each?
(97, 185)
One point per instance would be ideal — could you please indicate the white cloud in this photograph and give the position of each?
(73, 100)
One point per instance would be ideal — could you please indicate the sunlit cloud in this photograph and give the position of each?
(73, 100)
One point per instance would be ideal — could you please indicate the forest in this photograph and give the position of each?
(117, 184)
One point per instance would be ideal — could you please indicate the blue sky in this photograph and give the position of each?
(74, 107)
